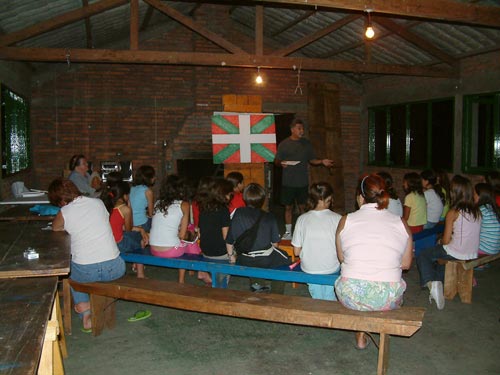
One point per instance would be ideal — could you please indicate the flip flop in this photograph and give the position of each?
(140, 315)
(86, 330)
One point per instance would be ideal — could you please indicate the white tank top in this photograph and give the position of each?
(87, 222)
(464, 242)
(373, 243)
(165, 227)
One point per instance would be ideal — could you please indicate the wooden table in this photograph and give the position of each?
(29, 327)
(53, 249)
(22, 213)
(42, 199)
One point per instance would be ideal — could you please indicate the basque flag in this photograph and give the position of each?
(243, 137)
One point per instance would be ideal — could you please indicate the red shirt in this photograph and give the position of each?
(117, 222)
(236, 202)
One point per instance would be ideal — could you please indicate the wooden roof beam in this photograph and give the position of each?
(59, 21)
(213, 59)
(294, 22)
(442, 10)
(196, 27)
(134, 24)
(415, 39)
(259, 30)
(88, 27)
(316, 35)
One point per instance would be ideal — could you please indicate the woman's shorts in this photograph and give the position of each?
(365, 295)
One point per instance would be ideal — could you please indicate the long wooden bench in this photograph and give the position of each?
(267, 307)
(459, 274)
(221, 267)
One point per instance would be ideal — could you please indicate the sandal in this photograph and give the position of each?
(139, 315)
(86, 319)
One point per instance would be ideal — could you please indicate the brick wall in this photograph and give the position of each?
(102, 110)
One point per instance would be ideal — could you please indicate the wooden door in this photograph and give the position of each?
(325, 134)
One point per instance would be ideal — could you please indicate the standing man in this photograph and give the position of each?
(295, 154)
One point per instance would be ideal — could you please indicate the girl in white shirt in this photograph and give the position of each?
(314, 238)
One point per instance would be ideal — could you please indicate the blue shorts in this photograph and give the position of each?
(325, 292)
(131, 241)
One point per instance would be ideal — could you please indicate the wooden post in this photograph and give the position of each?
(103, 313)
(450, 280)
(67, 305)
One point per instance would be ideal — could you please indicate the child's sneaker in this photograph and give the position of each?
(286, 236)
(437, 294)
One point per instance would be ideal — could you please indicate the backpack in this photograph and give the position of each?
(245, 241)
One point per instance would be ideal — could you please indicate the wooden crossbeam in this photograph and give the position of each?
(316, 35)
(442, 10)
(413, 38)
(196, 27)
(213, 59)
(59, 21)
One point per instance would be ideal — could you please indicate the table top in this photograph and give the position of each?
(42, 199)
(53, 249)
(26, 307)
(22, 213)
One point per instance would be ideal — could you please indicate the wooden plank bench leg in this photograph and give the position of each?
(103, 313)
(450, 279)
(67, 306)
(464, 283)
(383, 354)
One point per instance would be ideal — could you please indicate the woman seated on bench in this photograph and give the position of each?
(460, 239)
(94, 254)
(373, 247)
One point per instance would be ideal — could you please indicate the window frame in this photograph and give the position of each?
(468, 101)
(407, 157)
(3, 142)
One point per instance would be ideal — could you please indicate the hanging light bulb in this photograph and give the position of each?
(258, 79)
(369, 32)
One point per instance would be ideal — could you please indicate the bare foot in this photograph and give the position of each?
(361, 340)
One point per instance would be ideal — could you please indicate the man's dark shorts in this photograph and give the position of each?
(293, 194)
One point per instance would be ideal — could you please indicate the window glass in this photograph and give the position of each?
(418, 134)
(398, 135)
(15, 132)
(442, 134)
(481, 133)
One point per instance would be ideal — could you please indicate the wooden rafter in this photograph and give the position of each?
(316, 35)
(442, 10)
(294, 22)
(88, 27)
(134, 24)
(259, 30)
(418, 41)
(147, 18)
(212, 59)
(196, 27)
(59, 21)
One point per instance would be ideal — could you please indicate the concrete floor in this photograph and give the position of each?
(461, 339)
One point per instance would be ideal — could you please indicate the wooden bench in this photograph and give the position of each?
(267, 307)
(217, 267)
(459, 274)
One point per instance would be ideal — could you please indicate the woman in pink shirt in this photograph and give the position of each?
(373, 247)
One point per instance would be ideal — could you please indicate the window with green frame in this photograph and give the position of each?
(412, 135)
(481, 133)
(15, 132)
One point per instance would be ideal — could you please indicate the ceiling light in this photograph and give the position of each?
(369, 32)
(258, 79)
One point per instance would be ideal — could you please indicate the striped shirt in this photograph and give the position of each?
(489, 237)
